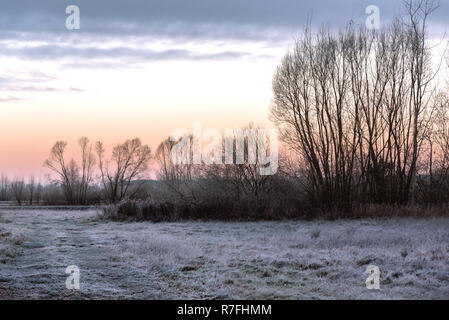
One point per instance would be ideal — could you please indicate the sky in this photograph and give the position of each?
(145, 68)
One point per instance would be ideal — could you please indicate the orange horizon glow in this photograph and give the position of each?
(123, 104)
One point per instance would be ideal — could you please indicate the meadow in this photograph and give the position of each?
(220, 260)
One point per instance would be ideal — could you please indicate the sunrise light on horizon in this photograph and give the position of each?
(144, 70)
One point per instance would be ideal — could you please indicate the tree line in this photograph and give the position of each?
(366, 112)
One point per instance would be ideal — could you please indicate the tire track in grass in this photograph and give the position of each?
(55, 240)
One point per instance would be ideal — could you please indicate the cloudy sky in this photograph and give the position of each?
(144, 68)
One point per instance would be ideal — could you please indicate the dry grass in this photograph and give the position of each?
(137, 210)
(9, 242)
(388, 211)
(239, 260)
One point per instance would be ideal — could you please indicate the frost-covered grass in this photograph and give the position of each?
(9, 242)
(235, 260)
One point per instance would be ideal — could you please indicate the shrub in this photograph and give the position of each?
(212, 209)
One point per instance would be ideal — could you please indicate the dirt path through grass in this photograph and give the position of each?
(54, 240)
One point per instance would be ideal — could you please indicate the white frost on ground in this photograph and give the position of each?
(220, 260)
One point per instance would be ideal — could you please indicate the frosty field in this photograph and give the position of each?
(220, 260)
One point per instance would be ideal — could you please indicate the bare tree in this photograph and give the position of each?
(18, 190)
(421, 77)
(67, 172)
(87, 166)
(433, 182)
(310, 107)
(128, 162)
(4, 187)
(38, 193)
(241, 178)
(178, 177)
(74, 181)
(357, 106)
(31, 188)
(34, 191)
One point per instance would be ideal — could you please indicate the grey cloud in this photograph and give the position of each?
(272, 22)
(33, 81)
(27, 82)
(76, 90)
(189, 18)
(29, 88)
(52, 51)
(10, 99)
(32, 76)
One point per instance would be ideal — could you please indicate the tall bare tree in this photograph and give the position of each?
(87, 167)
(357, 106)
(128, 162)
(31, 189)
(18, 190)
(74, 181)
(242, 177)
(4, 187)
(180, 178)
